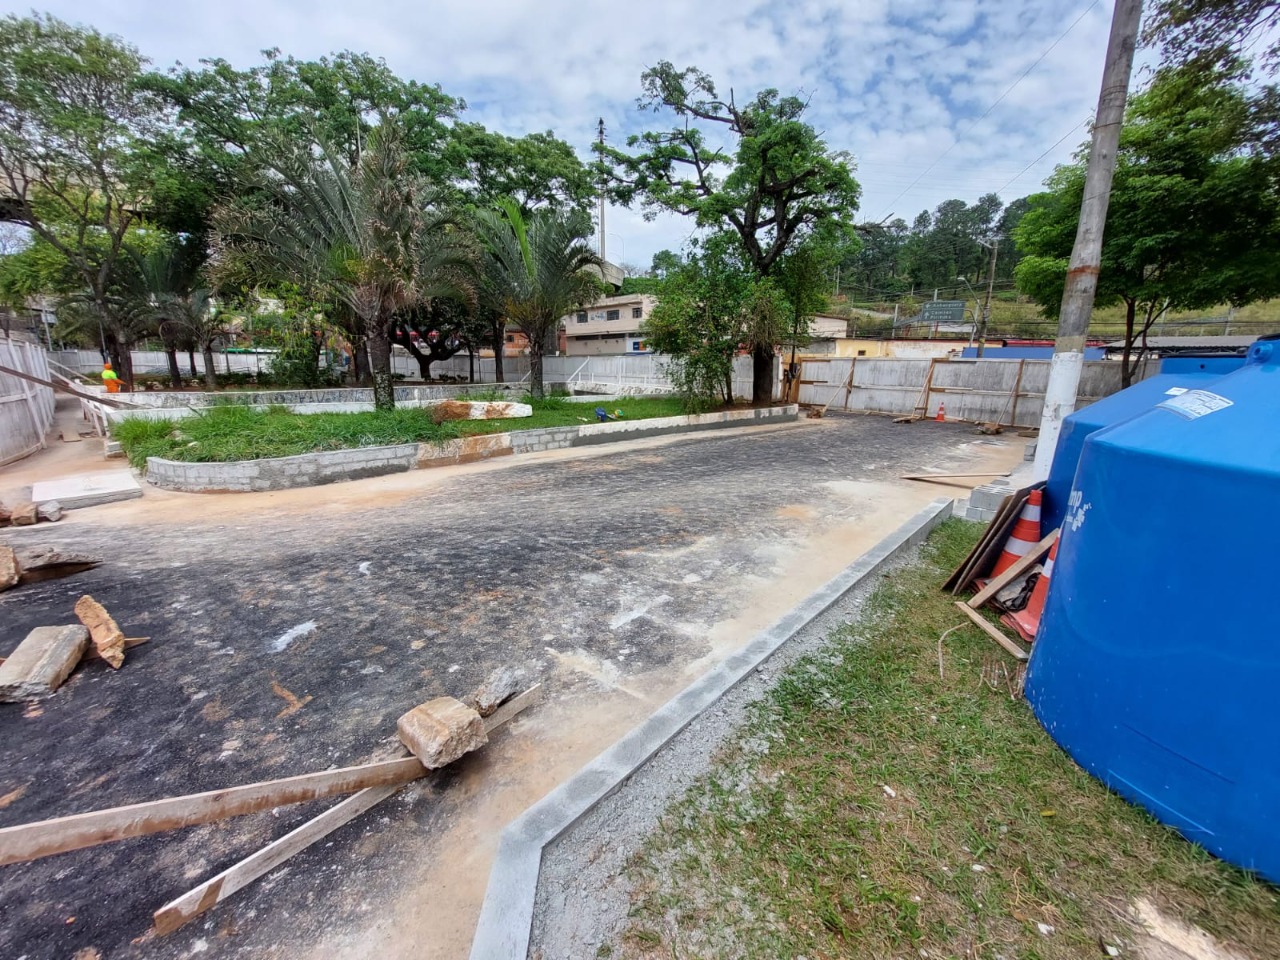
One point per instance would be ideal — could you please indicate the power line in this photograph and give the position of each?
(970, 129)
(1043, 155)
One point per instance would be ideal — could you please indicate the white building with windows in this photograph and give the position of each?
(611, 325)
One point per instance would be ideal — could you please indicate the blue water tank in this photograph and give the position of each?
(1156, 665)
(1176, 375)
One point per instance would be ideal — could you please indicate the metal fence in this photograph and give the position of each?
(26, 408)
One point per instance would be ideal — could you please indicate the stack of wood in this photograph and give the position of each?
(437, 733)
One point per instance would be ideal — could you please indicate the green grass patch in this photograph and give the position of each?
(232, 431)
(791, 846)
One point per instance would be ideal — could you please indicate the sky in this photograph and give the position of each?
(916, 91)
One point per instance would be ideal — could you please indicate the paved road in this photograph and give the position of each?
(610, 576)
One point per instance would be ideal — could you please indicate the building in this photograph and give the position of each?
(611, 325)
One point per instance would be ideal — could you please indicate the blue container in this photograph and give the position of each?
(1176, 374)
(1157, 665)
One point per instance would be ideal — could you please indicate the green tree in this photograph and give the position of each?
(535, 272)
(1194, 219)
(775, 186)
(1214, 33)
(76, 153)
(371, 236)
(536, 170)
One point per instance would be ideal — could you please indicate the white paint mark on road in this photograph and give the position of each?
(281, 643)
(622, 619)
(604, 672)
(364, 568)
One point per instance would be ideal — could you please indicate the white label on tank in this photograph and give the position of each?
(1175, 391)
(1196, 403)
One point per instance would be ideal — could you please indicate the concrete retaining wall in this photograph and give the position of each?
(312, 469)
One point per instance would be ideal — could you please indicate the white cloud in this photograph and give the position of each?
(895, 82)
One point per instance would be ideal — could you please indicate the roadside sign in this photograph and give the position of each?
(943, 311)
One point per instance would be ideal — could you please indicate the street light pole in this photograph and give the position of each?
(1086, 255)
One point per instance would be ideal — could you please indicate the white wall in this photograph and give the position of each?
(26, 409)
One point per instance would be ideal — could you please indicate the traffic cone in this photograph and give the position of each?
(942, 413)
(1026, 534)
(1027, 620)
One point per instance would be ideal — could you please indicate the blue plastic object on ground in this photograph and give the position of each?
(1157, 665)
(1176, 374)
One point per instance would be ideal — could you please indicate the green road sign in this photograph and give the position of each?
(943, 311)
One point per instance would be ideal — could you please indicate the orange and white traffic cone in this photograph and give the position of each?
(1027, 620)
(942, 413)
(1026, 534)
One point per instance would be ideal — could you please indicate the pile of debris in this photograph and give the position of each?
(28, 513)
(48, 655)
(1006, 567)
(22, 565)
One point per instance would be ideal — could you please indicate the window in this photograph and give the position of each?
(636, 313)
(637, 345)
(582, 316)
(862, 353)
(612, 315)
(511, 338)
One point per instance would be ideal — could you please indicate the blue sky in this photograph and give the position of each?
(894, 82)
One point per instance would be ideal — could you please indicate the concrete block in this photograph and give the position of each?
(87, 489)
(41, 662)
(440, 731)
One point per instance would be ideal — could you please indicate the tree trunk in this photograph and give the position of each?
(499, 348)
(762, 375)
(471, 364)
(535, 368)
(384, 390)
(191, 362)
(1126, 371)
(175, 374)
(210, 374)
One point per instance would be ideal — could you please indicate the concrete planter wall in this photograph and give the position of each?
(311, 469)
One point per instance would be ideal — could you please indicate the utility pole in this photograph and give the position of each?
(1086, 255)
(991, 285)
(601, 132)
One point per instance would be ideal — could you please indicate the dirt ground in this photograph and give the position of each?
(614, 575)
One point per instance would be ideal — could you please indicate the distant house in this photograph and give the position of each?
(610, 325)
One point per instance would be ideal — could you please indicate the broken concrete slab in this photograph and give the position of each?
(51, 511)
(108, 638)
(4, 515)
(46, 563)
(8, 568)
(41, 662)
(88, 489)
(24, 514)
(439, 731)
(503, 684)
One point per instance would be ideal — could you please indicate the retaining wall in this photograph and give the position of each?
(312, 469)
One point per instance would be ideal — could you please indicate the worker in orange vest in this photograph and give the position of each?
(110, 379)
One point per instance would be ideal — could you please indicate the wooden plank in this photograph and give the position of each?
(985, 559)
(1021, 566)
(65, 389)
(129, 643)
(847, 386)
(993, 528)
(196, 901)
(982, 622)
(30, 841)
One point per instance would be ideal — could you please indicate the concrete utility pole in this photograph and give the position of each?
(991, 286)
(1086, 255)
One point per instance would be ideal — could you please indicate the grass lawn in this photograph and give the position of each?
(793, 847)
(233, 432)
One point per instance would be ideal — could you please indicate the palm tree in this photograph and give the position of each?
(535, 271)
(371, 236)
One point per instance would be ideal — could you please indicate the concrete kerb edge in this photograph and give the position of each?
(506, 916)
(330, 466)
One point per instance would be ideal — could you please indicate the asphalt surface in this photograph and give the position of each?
(369, 609)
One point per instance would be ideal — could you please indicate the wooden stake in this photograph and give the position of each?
(982, 622)
(196, 901)
(1020, 566)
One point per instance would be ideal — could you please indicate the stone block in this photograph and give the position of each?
(8, 568)
(51, 511)
(24, 514)
(440, 731)
(42, 661)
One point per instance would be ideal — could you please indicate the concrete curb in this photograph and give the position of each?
(506, 917)
(356, 463)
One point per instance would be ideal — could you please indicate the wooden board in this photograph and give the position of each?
(980, 621)
(30, 841)
(985, 559)
(196, 901)
(1023, 564)
(953, 581)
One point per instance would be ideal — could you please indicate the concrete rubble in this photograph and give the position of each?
(440, 731)
(108, 638)
(41, 662)
(502, 685)
(24, 514)
(51, 511)
(9, 572)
